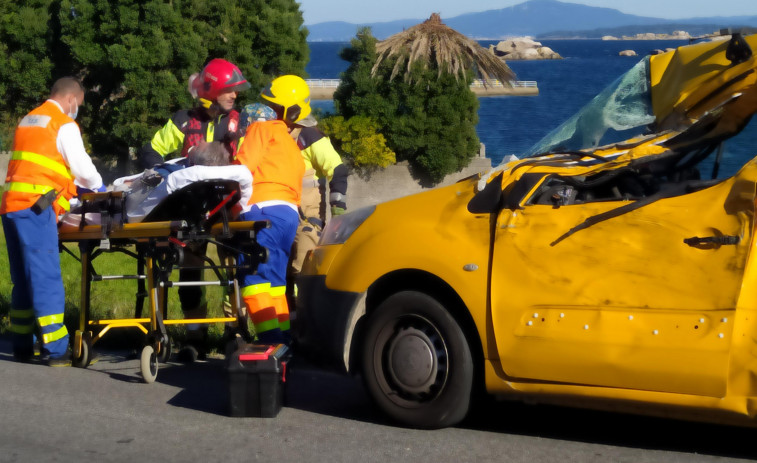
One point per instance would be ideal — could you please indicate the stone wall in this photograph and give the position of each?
(397, 181)
(4, 158)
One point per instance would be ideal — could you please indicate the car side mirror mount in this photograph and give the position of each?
(489, 199)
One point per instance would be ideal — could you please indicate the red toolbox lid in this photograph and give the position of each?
(262, 355)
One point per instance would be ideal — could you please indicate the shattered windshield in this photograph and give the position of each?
(620, 112)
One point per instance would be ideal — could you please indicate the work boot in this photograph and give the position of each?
(62, 361)
(192, 351)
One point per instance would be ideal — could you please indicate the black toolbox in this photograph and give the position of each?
(257, 373)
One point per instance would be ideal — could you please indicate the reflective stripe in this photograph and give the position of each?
(254, 290)
(260, 288)
(20, 187)
(210, 131)
(21, 329)
(55, 335)
(28, 188)
(63, 202)
(21, 313)
(266, 326)
(50, 319)
(43, 161)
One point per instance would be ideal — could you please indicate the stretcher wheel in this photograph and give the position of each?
(148, 364)
(85, 354)
(165, 351)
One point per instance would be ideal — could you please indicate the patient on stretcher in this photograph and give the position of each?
(144, 192)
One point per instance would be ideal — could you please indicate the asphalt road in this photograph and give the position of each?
(105, 413)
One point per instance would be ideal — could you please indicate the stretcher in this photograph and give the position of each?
(197, 213)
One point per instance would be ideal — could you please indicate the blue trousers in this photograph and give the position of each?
(37, 297)
(264, 291)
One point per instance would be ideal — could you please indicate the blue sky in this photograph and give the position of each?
(361, 11)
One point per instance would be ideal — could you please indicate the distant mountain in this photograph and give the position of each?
(534, 18)
(693, 29)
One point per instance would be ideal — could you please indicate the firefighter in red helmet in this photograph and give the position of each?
(213, 119)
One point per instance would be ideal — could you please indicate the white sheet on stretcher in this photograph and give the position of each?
(241, 174)
(175, 181)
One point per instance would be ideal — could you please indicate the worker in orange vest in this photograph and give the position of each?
(48, 163)
(274, 159)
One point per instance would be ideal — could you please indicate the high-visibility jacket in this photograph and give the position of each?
(275, 162)
(321, 157)
(36, 165)
(187, 128)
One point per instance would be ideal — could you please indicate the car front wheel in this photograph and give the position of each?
(416, 362)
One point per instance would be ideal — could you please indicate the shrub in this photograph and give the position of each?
(358, 141)
(428, 118)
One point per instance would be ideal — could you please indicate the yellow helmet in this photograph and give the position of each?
(289, 96)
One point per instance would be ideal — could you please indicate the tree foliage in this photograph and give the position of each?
(358, 141)
(135, 56)
(25, 65)
(428, 119)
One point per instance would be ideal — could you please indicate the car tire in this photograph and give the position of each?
(416, 361)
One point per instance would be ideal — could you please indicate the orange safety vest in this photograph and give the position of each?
(275, 162)
(36, 165)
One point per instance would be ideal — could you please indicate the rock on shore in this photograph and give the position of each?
(523, 48)
(676, 35)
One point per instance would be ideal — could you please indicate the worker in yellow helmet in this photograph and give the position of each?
(322, 164)
(274, 159)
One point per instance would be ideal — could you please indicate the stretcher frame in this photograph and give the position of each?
(158, 248)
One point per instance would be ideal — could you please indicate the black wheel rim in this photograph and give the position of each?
(153, 364)
(83, 359)
(411, 361)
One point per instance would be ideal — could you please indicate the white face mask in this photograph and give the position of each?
(75, 112)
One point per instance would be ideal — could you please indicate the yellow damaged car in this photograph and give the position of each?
(610, 267)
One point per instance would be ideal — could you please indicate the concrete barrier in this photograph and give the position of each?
(4, 158)
(397, 181)
(323, 89)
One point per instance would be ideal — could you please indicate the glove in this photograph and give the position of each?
(336, 210)
(81, 190)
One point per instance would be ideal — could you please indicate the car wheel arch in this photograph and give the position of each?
(433, 286)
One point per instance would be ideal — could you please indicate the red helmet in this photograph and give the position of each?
(219, 76)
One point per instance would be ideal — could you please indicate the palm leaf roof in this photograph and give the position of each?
(433, 43)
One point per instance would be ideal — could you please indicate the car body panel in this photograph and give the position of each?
(646, 312)
(411, 244)
(442, 241)
(579, 283)
(690, 80)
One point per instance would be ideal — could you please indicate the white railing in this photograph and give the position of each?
(323, 83)
(478, 83)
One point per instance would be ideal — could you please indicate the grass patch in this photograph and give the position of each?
(112, 299)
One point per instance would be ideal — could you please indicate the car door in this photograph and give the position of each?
(633, 301)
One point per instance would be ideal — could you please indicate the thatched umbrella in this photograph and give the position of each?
(432, 42)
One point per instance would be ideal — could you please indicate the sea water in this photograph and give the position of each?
(512, 124)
